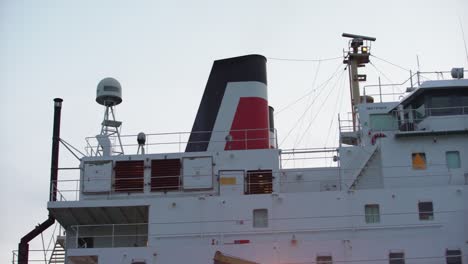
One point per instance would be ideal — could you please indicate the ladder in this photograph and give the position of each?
(58, 253)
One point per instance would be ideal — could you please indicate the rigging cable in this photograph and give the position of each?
(308, 93)
(309, 106)
(385, 76)
(320, 108)
(391, 63)
(310, 97)
(305, 60)
(338, 101)
(463, 35)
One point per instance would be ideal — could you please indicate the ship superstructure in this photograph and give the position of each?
(397, 192)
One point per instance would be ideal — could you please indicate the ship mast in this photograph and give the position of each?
(357, 56)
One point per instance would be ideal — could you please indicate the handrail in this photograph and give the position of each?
(116, 233)
(418, 75)
(181, 139)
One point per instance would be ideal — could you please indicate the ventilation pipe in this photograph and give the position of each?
(23, 246)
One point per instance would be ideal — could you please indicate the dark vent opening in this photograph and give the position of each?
(165, 175)
(259, 182)
(129, 176)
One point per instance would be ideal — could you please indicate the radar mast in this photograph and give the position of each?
(357, 56)
(109, 94)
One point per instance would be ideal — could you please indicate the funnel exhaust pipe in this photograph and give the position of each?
(23, 246)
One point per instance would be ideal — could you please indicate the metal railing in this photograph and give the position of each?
(35, 256)
(408, 119)
(177, 141)
(109, 235)
(309, 158)
(310, 178)
(392, 91)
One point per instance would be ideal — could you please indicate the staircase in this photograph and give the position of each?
(58, 253)
(364, 167)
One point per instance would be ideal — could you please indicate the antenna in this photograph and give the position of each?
(463, 35)
(348, 35)
(357, 56)
(109, 94)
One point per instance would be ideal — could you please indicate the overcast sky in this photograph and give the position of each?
(162, 52)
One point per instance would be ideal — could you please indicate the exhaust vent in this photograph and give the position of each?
(233, 113)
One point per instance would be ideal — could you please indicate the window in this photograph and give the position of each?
(324, 260)
(383, 122)
(259, 182)
(440, 105)
(453, 159)
(396, 258)
(372, 212)
(426, 211)
(260, 218)
(419, 161)
(453, 256)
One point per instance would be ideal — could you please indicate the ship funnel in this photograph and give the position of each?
(233, 113)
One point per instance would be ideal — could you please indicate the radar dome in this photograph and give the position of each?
(109, 92)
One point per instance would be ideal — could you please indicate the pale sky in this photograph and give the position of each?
(162, 52)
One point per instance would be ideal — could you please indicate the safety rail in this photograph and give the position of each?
(35, 256)
(346, 123)
(289, 179)
(108, 235)
(407, 119)
(392, 91)
(412, 119)
(177, 141)
(309, 158)
(209, 227)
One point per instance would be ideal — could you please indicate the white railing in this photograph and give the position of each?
(309, 158)
(385, 92)
(108, 236)
(35, 256)
(413, 117)
(177, 141)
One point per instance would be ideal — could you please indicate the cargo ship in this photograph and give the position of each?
(396, 190)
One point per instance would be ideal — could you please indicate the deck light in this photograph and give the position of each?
(364, 49)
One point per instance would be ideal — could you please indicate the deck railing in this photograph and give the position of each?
(177, 141)
(108, 235)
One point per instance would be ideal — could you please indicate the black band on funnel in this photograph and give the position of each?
(238, 69)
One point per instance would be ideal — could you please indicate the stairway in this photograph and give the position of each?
(58, 253)
(364, 167)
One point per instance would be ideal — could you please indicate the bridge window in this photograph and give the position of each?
(440, 105)
(383, 122)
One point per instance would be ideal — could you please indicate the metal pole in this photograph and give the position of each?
(417, 60)
(23, 246)
(380, 90)
(55, 149)
(411, 78)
